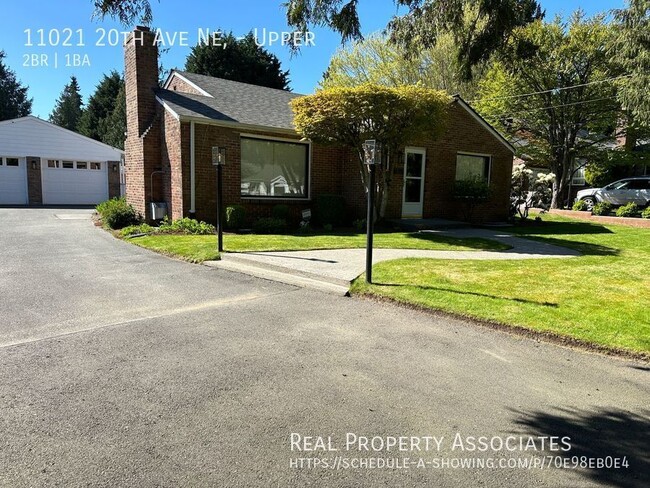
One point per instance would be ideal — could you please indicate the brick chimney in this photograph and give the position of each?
(142, 145)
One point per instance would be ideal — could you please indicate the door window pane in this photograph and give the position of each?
(273, 169)
(412, 190)
(11, 161)
(414, 165)
(95, 165)
(52, 163)
(68, 164)
(82, 165)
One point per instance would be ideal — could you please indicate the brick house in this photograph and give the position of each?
(171, 132)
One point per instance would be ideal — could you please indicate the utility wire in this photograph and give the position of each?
(548, 108)
(550, 90)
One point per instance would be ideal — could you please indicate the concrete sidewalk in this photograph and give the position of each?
(334, 269)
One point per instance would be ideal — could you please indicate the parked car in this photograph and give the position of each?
(621, 192)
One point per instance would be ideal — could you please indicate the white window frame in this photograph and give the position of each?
(3, 161)
(482, 155)
(308, 143)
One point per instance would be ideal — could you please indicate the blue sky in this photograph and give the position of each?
(46, 82)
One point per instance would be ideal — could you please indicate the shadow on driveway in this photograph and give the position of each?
(606, 432)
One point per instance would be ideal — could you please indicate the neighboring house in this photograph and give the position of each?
(44, 164)
(171, 132)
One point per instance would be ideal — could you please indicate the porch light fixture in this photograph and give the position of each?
(372, 159)
(219, 160)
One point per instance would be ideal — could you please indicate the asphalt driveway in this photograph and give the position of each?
(119, 367)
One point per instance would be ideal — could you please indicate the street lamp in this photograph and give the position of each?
(372, 159)
(219, 160)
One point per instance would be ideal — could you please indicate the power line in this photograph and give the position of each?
(550, 107)
(550, 90)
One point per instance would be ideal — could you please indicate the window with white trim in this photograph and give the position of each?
(82, 165)
(274, 169)
(578, 178)
(12, 162)
(472, 167)
(53, 163)
(95, 165)
(68, 164)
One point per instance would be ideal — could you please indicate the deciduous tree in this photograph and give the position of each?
(377, 60)
(394, 116)
(554, 87)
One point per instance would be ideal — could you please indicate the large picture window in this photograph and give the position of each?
(274, 169)
(472, 167)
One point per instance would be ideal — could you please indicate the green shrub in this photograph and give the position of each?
(328, 227)
(330, 209)
(359, 225)
(235, 217)
(476, 189)
(580, 206)
(186, 226)
(132, 230)
(629, 210)
(117, 214)
(280, 212)
(646, 213)
(602, 208)
(269, 225)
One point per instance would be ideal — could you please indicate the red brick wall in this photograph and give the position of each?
(177, 84)
(142, 145)
(113, 178)
(325, 171)
(34, 183)
(462, 134)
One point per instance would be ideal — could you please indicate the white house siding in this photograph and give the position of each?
(33, 137)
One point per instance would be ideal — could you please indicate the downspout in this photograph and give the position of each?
(192, 173)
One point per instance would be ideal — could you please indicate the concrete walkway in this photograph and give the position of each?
(334, 269)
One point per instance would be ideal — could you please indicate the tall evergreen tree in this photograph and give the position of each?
(238, 60)
(13, 96)
(67, 111)
(101, 105)
(114, 126)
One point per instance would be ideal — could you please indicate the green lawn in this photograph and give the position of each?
(602, 297)
(203, 248)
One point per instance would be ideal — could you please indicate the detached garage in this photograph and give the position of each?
(44, 164)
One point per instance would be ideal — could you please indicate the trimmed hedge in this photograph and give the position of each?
(235, 217)
(269, 225)
(330, 209)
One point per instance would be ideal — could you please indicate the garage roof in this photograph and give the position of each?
(31, 136)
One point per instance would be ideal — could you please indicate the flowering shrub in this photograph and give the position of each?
(528, 191)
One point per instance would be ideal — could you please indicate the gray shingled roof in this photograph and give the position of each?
(233, 102)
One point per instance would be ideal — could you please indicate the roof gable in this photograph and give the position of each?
(497, 135)
(31, 136)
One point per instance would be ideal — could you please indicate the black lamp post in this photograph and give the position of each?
(372, 159)
(219, 160)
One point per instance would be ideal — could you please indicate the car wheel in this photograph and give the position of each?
(590, 201)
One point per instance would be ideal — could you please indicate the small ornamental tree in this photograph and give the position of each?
(394, 116)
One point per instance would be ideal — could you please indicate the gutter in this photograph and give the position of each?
(192, 172)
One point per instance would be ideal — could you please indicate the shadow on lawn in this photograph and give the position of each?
(566, 228)
(607, 432)
(585, 248)
(476, 294)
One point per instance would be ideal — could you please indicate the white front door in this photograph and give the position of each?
(413, 193)
(13, 180)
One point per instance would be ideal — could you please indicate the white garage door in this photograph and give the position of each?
(13, 181)
(74, 182)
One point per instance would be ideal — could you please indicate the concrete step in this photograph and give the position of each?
(281, 274)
